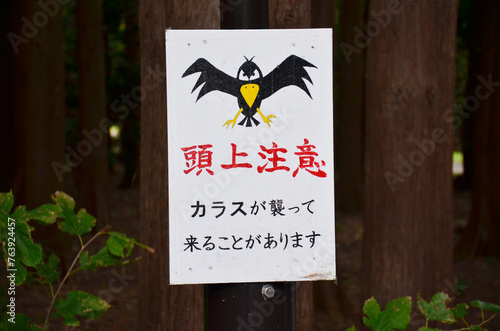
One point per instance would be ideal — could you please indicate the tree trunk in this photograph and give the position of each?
(482, 234)
(410, 73)
(93, 173)
(327, 296)
(323, 13)
(7, 129)
(163, 307)
(35, 110)
(38, 102)
(129, 155)
(349, 111)
(290, 14)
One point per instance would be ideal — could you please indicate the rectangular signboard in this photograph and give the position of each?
(250, 155)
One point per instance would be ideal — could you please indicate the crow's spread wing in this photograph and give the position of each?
(214, 79)
(290, 72)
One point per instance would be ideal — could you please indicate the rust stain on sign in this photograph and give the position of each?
(319, 276)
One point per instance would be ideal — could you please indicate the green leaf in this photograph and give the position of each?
(486, 306)
(118, 243)
(352, 328)
(395, 316)
(76, 224)
(85, 261)
(460, 287)
(21, 273)
(80, 303)
(46, 214)
(19, 245)
(102, 259)
(28, 252)
(47, 272)
(460, 311)
(6, 202)
(371, 309)
(64, 201)
(436, 310)
(22, 323)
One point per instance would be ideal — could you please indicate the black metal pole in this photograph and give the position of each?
(247, 307)
(254, 306)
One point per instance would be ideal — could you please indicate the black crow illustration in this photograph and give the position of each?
(250, 87)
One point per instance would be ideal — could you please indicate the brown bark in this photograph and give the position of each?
(92, 173)
(304, 306)
(482, 234)
(35, 111)
(193, 14)
(410, 76)
(38, 102)
(163, 307)
(288, 14)
(349, 111)
(326, 295)
(323, 13)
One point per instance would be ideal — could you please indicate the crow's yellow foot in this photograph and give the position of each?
(266, 119)
(233, 121)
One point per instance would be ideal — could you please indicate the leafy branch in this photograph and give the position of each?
(28, 257)
(46, 323)
(397, 313)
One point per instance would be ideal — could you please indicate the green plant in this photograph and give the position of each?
(26, 261)
(396, 315)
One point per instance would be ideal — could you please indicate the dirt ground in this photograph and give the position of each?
(476, 279)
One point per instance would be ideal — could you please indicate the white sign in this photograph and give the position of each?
(250, 155)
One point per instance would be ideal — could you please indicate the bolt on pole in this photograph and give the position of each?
(250, 306)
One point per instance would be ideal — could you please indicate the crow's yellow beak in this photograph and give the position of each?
(249, 92)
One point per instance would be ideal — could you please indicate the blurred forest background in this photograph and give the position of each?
(417, 142)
